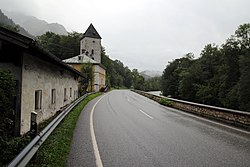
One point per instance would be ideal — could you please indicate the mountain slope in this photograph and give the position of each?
(150, 74)
(4, 20)
(34, 25)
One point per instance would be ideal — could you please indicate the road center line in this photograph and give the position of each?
(146, 114)
(93, 136)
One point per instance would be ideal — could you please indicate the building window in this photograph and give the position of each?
(93, 41)
(53, 96)
(65, 94)
(70, 92)
(92, 51)
(83, 51)
(38, 99)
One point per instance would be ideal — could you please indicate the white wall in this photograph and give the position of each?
(41, 75)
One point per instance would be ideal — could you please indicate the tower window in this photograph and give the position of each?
(93, 41)
(92, 51)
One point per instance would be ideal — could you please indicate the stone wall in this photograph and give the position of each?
(89, 44)
(239, 118)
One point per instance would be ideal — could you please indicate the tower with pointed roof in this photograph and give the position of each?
(90, 44)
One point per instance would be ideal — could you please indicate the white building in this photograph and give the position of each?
(90, 49)
(44, 83)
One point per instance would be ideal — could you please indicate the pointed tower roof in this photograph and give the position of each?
(91, 32)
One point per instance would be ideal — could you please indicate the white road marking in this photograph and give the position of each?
(146, 114)
(93, 137)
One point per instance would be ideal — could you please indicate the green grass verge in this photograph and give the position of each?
(55, 149)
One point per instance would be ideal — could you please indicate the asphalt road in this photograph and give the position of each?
(132, 130)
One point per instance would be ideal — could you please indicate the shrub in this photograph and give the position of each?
(166, 102)
(11, 148)
(7, 94)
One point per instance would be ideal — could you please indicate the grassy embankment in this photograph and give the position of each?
(55, 149)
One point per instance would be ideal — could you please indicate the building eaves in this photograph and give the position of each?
(80, 59)
(32, 46)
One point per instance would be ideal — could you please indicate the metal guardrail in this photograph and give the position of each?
(236, 117)
(204, 105)
(28, 152)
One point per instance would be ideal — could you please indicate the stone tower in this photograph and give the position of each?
(90, 44)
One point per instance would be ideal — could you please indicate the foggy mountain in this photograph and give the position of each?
(34, 25)
(147, 74)
(7, 21)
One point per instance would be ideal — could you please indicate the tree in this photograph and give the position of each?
(244, 82)
(62, 46)
(229, 74)
(7, 93)
(138, 80)
(15, 28)
(243, 36)
(87, 69)
(173, 74)
(220, 77)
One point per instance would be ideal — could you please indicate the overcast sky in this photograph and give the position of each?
(144, 34)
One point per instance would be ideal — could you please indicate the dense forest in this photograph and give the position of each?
(219, 77)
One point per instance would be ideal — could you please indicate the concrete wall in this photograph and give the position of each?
(88, 44)
(41, 75)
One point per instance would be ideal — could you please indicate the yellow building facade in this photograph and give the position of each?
(98, 70)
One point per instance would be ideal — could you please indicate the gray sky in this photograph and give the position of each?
(144, 34)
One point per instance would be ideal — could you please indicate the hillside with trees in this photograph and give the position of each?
(119, 75)
(219, 77)
(62, 46)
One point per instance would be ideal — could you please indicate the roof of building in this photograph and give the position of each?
(91, 32)
(82, 59)
(32, 46)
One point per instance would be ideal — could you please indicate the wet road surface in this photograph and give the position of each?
(132, 130)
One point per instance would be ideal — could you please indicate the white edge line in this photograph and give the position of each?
(146, 114)
(93, 137)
